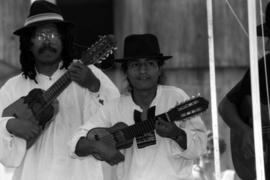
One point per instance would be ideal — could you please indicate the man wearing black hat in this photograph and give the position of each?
(236, 110)
(164, 153)
(34, 143)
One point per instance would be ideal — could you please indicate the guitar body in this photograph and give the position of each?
(111, 136)
(121, 141)
(38, 108)
(117, 138)
(245, 167)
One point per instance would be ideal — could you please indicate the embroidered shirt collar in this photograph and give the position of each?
(56, 75)
(153, 103)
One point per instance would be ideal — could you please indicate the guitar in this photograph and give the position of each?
(245, 166)
(40, 102)
(123, 135)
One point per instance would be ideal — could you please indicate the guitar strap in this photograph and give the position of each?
(145, 139)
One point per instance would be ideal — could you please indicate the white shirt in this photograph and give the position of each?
(199, 174)
(48, 158)
(165, 159)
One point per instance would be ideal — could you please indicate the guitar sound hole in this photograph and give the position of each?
(96, 137)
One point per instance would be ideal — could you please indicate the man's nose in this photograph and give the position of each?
(47, 41)
(143, 68)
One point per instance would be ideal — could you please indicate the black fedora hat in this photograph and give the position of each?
(139, 46)
(265, 27)
(42, 11)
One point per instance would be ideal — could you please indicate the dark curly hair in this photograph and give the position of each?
(27, 59)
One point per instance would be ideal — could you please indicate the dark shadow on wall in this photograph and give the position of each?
(91, 18)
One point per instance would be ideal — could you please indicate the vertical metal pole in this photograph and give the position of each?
(256, 108)
(213, 88)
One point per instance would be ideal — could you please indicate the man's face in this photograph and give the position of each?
(143, 74)
(47, 44)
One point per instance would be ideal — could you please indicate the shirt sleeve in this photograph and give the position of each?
(240, 90)
(99, 119)
(264, 82)
(196, 139)
(196, 135)
(93, 113)
(12, 148)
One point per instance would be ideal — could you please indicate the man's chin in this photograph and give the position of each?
(49, 61)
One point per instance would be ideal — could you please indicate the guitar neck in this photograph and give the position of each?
(180, 112)
(99, 51)
(142, 127)
(58, 87)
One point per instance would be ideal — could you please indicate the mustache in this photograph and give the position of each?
(47, 47)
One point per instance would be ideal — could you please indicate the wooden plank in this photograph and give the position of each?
(182, 29)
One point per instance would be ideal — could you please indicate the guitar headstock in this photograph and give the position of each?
(188, 108)
(100, 50)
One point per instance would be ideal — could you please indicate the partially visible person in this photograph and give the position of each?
(34, 143)
(167, 150)
(204, 168)
(236, 110)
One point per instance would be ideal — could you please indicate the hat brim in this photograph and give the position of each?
(124, 60)
(29, 27)
(263, 30)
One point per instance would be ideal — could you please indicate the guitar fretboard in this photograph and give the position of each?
(179, 113)
(141, 127)
(56, 89)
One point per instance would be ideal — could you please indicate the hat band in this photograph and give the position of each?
(43, 17)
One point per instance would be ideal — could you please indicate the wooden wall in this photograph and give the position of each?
(12, 16)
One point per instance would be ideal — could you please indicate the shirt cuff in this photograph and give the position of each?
(6, 133)
(176, 149)
(81, 132)
(13, 148)
(73, 143)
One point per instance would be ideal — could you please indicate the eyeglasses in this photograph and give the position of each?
(42, 36)
(135, 65)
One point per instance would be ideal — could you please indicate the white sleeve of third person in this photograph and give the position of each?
(196, 134)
